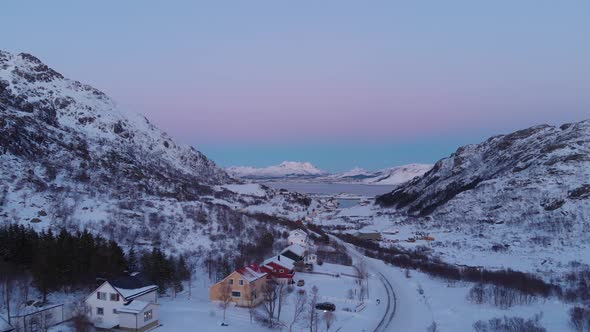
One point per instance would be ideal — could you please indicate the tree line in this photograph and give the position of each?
(412, 259)
(65, 261)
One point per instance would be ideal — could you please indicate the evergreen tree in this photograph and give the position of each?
(132, 264)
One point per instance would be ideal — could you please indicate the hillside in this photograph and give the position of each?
(519, 201)
(536, 176)
(69, 157)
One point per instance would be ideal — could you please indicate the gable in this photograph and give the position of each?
(106, 287)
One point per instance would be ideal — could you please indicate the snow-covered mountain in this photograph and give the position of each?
(519, 201)
(389, 176)
(286, 169)
(307, 172)
(539, 175)
(70, 158)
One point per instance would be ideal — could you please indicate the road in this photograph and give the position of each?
(385, 322)
(388, 316)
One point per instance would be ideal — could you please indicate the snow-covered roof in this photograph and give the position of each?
(280, 260)
(297, 232)
(296, 249)
(132, 293)
(133, 285)
(251, 272)
(133, 307)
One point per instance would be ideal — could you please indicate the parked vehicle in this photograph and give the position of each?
(326, 306)
(301, 282)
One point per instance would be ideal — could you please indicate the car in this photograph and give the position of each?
(326, 306)
(301, 282)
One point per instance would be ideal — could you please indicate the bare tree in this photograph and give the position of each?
(329, 318)
(300, 303)
(191, 265)
(225, 296)
(312, 312)
(80, 318)
(363, 280)
(270, 293)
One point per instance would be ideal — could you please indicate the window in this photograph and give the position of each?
(281, 271)
(231, 281)
(147, 315)
(241, 282)
(253, 294)
(236, 294)
(101, 295)
(114, 297)
(100, 311)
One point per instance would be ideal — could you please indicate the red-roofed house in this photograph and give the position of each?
(245, 285)
(279, 268)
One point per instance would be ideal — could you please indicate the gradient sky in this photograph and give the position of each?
(338, 83)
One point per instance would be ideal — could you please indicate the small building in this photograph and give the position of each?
(36, 316)
(128, 303)
(375, 236)
(279, 268)
(299, 237)
(5, 326)
(298, 253)
(245, 286)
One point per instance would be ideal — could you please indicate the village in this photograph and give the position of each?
(292, 290)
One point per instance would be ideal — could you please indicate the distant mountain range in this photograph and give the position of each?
(305, 171)
(286, 169)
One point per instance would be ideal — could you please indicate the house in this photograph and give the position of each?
(245, 286)
(295, 252)
(376, 236)
(298, 253)
(128, 303)
(36, 316)
(4, 326)
(299, 237)
(279, 268)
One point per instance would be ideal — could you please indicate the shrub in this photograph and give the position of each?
(510, 324)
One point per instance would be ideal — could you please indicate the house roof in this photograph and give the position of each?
(281, 261)
(296, 249)
(133, 285)
(298, 232)
(133, 307)
(251, 272)
(4, 326)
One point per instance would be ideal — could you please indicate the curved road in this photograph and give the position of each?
(391, 297)
(391, 305)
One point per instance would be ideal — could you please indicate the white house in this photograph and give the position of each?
(299, 237)
(299, 253)
(129, 303)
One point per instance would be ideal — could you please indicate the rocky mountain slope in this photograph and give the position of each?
(537, 176)
(70, 158)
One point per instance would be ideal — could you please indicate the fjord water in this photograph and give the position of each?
(332, 188)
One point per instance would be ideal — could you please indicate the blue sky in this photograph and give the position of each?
(337, 83)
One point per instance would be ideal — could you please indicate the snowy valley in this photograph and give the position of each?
(494, 235)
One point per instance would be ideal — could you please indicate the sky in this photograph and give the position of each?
(337, 83)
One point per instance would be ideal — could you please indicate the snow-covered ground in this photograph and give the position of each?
(422, 300)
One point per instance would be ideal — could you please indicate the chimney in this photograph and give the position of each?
(279, 257)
